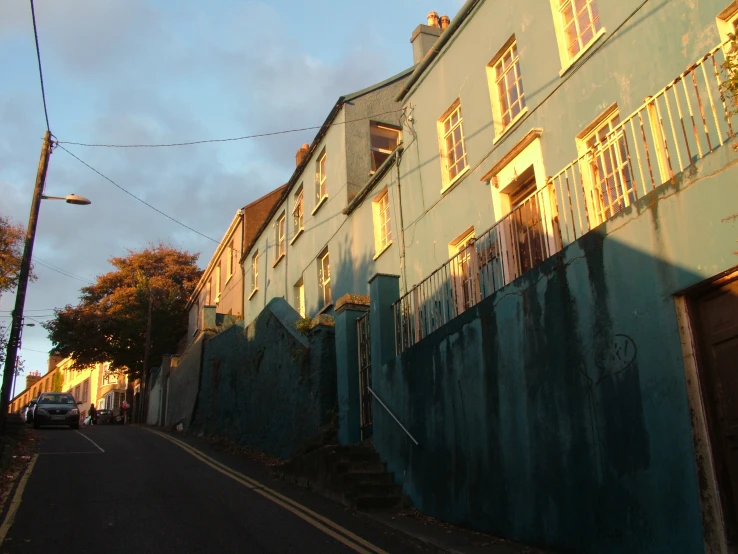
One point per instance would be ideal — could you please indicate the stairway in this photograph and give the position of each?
(353, 475)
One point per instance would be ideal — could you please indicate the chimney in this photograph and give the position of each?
(32, 378)
(445, 22)
(301, 154)
(424, 37)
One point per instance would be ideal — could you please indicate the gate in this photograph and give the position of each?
(365, 375)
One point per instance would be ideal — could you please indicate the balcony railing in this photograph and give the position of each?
(673, 129)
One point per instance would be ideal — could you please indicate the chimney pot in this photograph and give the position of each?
(445, 22)
(301, 154)
(433, 19)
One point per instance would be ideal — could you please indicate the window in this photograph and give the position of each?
(234, 259)
(452, 144)
(506, 82)
(382, 229)
(279, 237)
(727, 22)
(85, 391)
(610, 183)
(320, 179)
(229, 255)
(384, 140)
(254, 272)
(298, 212)
(217, 283)
(463, 251)
(577, 26)
(324, 279)
(300, 297)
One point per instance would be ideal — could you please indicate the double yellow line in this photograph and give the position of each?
(329, 527)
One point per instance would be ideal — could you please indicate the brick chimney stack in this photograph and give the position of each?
(301, 154)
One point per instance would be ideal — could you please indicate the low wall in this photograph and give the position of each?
(555, 412)
(268, 386)
(154, 397)
(184, 381)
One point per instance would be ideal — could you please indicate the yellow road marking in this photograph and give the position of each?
(17, 497)
(296, 508)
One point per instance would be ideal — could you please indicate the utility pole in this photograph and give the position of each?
(147, 349)
(25, 270)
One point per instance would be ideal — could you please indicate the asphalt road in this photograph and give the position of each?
(111, 489)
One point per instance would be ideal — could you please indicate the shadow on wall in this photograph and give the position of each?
(268, 386)
(556, 411)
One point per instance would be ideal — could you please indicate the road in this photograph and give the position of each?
(111, 489)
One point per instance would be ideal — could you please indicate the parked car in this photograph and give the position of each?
(27, 413)
(105, 417)
(56, 408)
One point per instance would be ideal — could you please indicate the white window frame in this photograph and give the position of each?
(382, 222)
(254, 274)
(300, 297)
(324, 283)
(464, 269)
(280, 238)
(567, 59)
(460, 165)
(298, 213)
(216, 279)
(497, 76)
(230, 264)
(384, 128)
(727, 21)
(612, 157)
(321, 180)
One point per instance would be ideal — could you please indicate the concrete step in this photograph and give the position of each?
(368, 502)
(368, 478)
(359, 467)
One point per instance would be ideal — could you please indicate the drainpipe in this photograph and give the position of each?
(402, 224)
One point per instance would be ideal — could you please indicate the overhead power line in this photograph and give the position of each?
(40, 70)
(233, 139)
(62, 272)
(136, 197)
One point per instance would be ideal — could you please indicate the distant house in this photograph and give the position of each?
(221, 284)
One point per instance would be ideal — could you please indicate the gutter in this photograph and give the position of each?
(456, 22)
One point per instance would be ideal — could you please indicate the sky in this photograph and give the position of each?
(162, 71)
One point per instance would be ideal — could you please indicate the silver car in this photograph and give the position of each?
(56, 408)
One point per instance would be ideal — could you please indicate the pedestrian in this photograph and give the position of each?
(93, 415)
(124, 411)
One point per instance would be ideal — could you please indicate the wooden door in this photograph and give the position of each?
(716, 315)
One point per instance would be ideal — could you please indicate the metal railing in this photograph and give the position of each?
(674, 128)
(365, 371)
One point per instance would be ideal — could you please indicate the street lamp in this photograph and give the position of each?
(25, 269)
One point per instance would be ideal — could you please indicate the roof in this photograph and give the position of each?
(425, 63)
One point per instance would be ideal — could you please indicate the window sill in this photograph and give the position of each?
(276, 262)
(297, 235)
(510, 126)
(573, 61)
(324, 309)
(253, 293)
(456, 181)
(319, 205)
(382, 251)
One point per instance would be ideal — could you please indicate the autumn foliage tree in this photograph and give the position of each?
(109, 324)
(11, 252)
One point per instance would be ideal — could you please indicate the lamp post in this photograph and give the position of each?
(25, 269)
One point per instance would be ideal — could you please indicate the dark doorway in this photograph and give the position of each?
(715, 316)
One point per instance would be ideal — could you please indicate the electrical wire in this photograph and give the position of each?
(40, 70)
(62, 272)
(136, 197)
(206, 141)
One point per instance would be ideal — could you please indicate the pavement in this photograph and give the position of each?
(131, 489)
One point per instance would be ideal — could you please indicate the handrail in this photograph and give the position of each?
(374, 394)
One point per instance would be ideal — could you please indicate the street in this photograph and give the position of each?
(131, 490)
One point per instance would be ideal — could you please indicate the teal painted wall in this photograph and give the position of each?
(555, 411)
(267, 386)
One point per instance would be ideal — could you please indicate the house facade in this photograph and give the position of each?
(310, 251)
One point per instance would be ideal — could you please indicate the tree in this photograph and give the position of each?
(11, 252)
(729, 82)
(110, 322)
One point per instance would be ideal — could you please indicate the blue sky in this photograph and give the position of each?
(152, 71)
